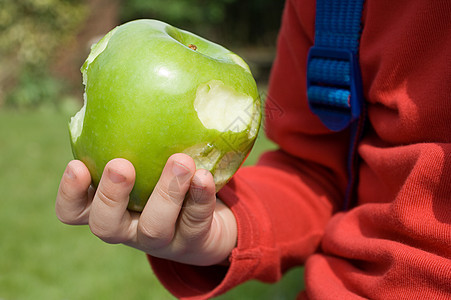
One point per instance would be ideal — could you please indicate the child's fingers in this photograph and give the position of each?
(195, 236)
(109, 218)
(72, 201)
(158, 220)
(197, 213)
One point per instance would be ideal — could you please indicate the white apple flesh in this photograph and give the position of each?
(152, 90)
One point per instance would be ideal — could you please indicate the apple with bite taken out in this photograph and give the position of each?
(152, 90)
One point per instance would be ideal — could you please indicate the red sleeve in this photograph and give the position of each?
(283, 204)
(396, 242)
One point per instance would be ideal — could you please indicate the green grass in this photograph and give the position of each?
(41, 258)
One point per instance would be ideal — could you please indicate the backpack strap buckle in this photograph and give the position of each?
(334, 86)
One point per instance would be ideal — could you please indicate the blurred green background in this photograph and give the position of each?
(43, 43)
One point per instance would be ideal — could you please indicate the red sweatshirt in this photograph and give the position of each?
(395, 242)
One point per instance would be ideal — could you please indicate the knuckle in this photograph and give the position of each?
(170, 196)
(106, 199)
(149, 232)
(64, 192)
(193, 228)
(61, 214)
(154, 235)
(192, 220)
(70, 215)
(66, 219)
(106, 234)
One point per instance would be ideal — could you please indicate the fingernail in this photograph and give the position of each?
(70, 173)
(196, 192)
(179, 170)
(115, 177)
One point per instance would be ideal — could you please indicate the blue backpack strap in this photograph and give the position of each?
(334, 83)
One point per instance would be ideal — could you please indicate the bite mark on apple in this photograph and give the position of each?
(239, 61)
(96, 49)
(76, 122)
(255, 111)
(219, 106)
(226, 166)
(205, 155)
(222, 165)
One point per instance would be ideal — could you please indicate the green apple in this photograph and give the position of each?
(152, 90)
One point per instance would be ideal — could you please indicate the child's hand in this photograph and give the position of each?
(182, 221)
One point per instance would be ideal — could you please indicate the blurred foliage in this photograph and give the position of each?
(37, 89)
(31, 31)
(233, 22)
(180, 11)
(32, 90)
